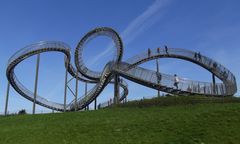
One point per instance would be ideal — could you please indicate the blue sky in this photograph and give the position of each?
(211, 27)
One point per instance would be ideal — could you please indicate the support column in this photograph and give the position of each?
(76, 91)
(85, 88)
(7, 95)
(36, 84)
(214, 84)
(116, 89)
(86, 108)
(65, 88)
(95, 104)
(157, 63)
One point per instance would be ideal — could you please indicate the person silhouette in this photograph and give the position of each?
(149, 52)
(176, 81)
(166, 50)
(199, 56)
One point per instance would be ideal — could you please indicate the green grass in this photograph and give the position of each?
(184, 123)
(178, 100)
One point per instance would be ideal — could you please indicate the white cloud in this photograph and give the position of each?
(137, 26)
(141, 23)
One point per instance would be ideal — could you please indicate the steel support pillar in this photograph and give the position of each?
(214, 84)
(86, 108)
(116, 89)
(86, 88)
(36, 84)
(76, 91)
(7, 95)
(157, 63)
(95, 104)
(65, 88)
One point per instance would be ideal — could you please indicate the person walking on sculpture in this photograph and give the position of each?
(149, 52)
(199, 56)
(176, 81)
(159, 77)
(158, 50)
(195, 56)
(166, 49)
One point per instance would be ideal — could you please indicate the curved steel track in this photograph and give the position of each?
(129, 69)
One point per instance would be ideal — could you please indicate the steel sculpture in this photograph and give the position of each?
(116, 68)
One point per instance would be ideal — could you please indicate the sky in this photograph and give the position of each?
(210, 27)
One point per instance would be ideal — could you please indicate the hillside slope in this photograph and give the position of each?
(198, 123)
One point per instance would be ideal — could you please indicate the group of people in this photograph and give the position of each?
(198, 56)
(159, 76)
(176, 79)
(158, 50)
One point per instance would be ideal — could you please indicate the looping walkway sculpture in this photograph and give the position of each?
(129, 69)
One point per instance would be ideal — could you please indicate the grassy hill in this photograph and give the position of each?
(177, 120)
(178, 100)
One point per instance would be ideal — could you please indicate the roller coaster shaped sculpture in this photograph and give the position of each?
(128, 69)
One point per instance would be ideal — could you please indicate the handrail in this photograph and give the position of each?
(129, 69)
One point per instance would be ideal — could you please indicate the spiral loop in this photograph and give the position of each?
(129, 69)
